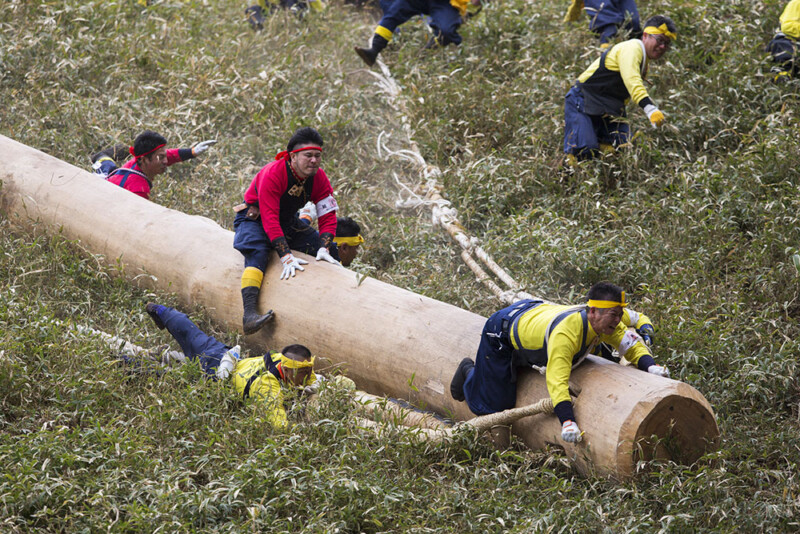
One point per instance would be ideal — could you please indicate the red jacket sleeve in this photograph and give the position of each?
(322, 188)
(176, 155)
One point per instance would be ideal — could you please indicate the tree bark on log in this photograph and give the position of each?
(390, 341)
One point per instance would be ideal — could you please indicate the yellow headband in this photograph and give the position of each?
(661, 30)
(352, 241)
(295, 364)
(608, 303)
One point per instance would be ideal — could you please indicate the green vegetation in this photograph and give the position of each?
(699, 221)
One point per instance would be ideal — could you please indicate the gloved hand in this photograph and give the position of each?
(570, 432)
(228, 362)
(202, 146)
(655, 115)
(290, 264)
(323, 254)
(313, 389)
(344, 382)
(647, 332)
(658, 370)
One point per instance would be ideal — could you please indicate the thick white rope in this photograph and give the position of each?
(429, 195)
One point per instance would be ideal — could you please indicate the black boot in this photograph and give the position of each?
(457, 384)
(255, 16)
(370, 55)
(153, 311)
(252, 321)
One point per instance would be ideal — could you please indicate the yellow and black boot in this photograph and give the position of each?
(251, 288)
(252, 320)
(370, 55)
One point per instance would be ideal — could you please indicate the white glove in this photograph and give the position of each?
(228, 362)
(308, 212)
(290, 264)
(202, 146)
(313, 389)
(344, 382)
(323, 254)
(570, 432)
(655, 115)
(658, 370)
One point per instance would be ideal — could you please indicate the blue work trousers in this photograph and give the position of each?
(491, 386)
(445, 19)
(194, 342)
(583, 133)
(784, 52)
(251, 240)
(605, 17)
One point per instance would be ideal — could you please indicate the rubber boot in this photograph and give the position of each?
(370, 55)
(252, 321)
(460, 376)
(154, 311)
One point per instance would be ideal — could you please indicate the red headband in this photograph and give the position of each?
(146, 153)
(285, 154)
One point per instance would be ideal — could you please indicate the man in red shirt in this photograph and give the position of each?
(151, 158)
(268, 220)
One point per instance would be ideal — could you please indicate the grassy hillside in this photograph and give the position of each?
(698, 221)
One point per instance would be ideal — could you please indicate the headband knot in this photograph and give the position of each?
(660, 30)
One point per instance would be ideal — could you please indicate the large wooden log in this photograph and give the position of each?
(391, 341)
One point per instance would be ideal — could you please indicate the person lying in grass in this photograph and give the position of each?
(261, 378)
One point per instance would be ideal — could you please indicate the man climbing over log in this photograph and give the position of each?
(606, 16)
(348, 238)
(257, 378)
(531, 333)
(594, 108)
(445, 18)
(784, 46)
(268, 220)
(151, 157)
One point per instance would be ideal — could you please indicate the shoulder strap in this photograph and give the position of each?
(126, 173)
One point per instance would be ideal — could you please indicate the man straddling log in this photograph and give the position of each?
(531, 333)
(268, 219)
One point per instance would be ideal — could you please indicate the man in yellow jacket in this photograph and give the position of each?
(784, 45)
(594, 108)
(261, 378)
(257, 378)
(531, 333)
(445, 18)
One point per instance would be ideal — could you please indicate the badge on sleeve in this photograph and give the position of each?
(326, 205)
(630, 339)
